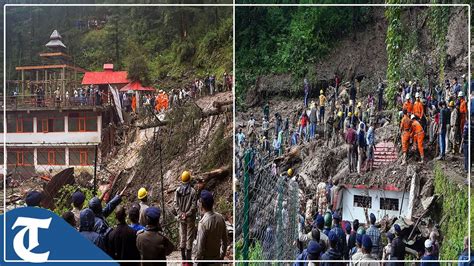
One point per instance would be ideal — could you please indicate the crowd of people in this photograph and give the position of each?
(162, 100)
(143, 237)
(338, 114)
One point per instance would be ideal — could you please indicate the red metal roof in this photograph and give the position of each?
(136, 86)
(105, 77)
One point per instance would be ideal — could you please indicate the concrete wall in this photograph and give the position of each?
(55, 137)
(351, 212)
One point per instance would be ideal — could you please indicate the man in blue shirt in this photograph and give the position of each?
(374, 233)
(341, 243)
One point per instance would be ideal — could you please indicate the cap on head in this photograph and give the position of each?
(359, 238)
(355, 224)
(361, 231)
(336, 216)
(78, 198)
(397, 228)
(372, 218)
(417, 95)
(461, 94)
(207, 199)
(332, 237)
(412, 116)
(33, 198)
(359, 104)
(185, 177)
(347, 227)
(407, 97)
(153, 215)
(313, 247)
(340, 114)
(321, 91)
(451, 104)
(142, 193)
(349, 114)
(366, 242)
(319, 221)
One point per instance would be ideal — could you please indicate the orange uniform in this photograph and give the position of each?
(462, 113)
(407, 105)
(405, 127)
(134, 103)
(418, 136)
(418, 109)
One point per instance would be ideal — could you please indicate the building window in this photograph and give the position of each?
(389, 204)
(362, 201)
(50, 123)
(20, 157)
(19, 123)
(82, 122)
(81, 156)
(51, 157)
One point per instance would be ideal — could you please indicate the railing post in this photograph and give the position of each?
(245, 227)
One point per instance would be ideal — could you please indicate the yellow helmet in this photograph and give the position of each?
(321, 91)
(142, 193)
(185, 177)
(359, 104)
(349, 114)
(340, 114)
(451, 103)
(290, 172)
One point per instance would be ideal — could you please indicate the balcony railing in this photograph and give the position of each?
(35, 101)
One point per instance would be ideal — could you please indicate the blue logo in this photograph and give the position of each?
(36, 235)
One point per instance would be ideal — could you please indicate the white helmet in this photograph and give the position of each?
(417, 95)
(412, 116)
(461, 94)
(407, 97)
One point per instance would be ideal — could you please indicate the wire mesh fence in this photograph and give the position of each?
(266, 209)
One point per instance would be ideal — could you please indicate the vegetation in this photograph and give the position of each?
(255, 252)
(438, 23)
(288, 40)
(394, 47)
(455, 208)
(155, 43)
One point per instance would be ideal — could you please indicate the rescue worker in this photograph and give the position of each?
(366, 253)
(454, 130)
(462, 110)
(86, 228)
(101, 226)
(397, 251)
(341, 243)
(151, 243)
(428, 256)
(133, 216)
(350, 139)
(337, 128)
(313, 120)
(212, 231)
(418, 109)
(444, 124)
(122, 240)
(33, 198)
(332, 253)
(185, 206)
(327, 223)
(374, 233)
(405, 128)
(78, 199)
(418, 136)
(142, 196)
(408, 105)
(322, 104)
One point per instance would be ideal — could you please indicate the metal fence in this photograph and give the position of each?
(266, 210)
